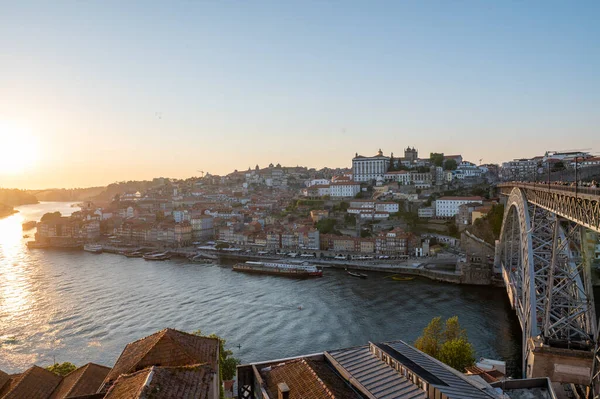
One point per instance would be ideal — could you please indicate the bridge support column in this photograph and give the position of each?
(559, 364)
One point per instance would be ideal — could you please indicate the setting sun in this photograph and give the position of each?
(18, 150)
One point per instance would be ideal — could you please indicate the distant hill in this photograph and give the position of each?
(63, 194)
(14, 197)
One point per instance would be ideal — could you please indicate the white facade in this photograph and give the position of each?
(400, 176)
(447, 207)
(319, 182)
(391, 207)
(344, 189)
(426, 213)
(365, 169)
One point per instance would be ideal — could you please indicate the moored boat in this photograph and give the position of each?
(134, 254)
(359, 275)
(158, 256)
(401, 278)
(93, 248)
(280, 269)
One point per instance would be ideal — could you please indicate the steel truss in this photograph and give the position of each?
(546, 278)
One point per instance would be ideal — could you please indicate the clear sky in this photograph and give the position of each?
(93, 92)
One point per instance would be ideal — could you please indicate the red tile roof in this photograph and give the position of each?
(84, 381)
(307, 379)
(193, 381)
(166, 348)
(35, 383)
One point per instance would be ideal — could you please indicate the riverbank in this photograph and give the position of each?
(6, 211)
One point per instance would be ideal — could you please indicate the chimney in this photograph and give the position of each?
(283, 391)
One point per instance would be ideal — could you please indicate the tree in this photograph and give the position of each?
(326, 226)
(436, 158)
(458, 354)
(62, 368)
(391, 166)
(450, 164)
(350, 220)
(449, 344)
(50, 216)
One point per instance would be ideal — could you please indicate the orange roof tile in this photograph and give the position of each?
(84, 381)
(168, 348)
(193, 381)
(307, 379)
(35, 383)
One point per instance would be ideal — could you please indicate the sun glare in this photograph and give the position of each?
(18, 149)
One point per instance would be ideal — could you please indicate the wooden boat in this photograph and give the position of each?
(93, 248)
(158, 256)
(400, 278)
(134, 254)
(359, 275)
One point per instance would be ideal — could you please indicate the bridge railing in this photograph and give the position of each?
(554, 187)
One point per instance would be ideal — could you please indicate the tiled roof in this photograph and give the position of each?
(166, 348)
(35, 383)
(193, 381)
(84, 381)
(307, 379)
(4, 378)
(8, 384)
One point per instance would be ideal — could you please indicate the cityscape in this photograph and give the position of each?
(206, 201)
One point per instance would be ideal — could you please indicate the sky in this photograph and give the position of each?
(93, 92)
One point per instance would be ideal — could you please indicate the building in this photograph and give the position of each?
(400, 176)
(366, 169)
(392, 369)
(317, 215)
(202, 227)
(411, 155)
(426, 213)
(519, 169)
(395, 242)
(344, 189)
(447, 207)
(464, 214)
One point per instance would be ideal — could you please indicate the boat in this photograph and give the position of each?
(208, 255)
(29, 225)
(359, 275)
(37, 245)
(399, 278)
(134, 254)
(200, 259)
(158, 256)
(280, 269)
(93, 248)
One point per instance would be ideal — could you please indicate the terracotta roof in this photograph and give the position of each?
(84, 381)
(307, 379)
(166, 348)
(35, 383)
(165, 382)
(4, 378)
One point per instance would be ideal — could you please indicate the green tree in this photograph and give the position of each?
(350, 220)
(458, 354)
(436, 158)
(450, 164)
(62, 368)
(431, 339)
(326, 226)
(448, 344)
(495, 217)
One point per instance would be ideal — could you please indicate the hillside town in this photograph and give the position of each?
(384, 207)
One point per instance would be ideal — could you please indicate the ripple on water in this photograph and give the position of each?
(80, 308)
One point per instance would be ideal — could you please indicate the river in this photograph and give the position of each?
(80, 307)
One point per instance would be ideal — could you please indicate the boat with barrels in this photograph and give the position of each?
(280, 269)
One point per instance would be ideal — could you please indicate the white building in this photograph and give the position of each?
(344, 189)
(400, 176)
(181, 216)
(519, 169)
(387, 206)
(319, 182)
(447, 207)
(426, 213)
(365, 169)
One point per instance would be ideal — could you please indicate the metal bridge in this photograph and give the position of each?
(544, 252)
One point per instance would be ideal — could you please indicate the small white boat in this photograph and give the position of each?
(93, 248)
(158, 256)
